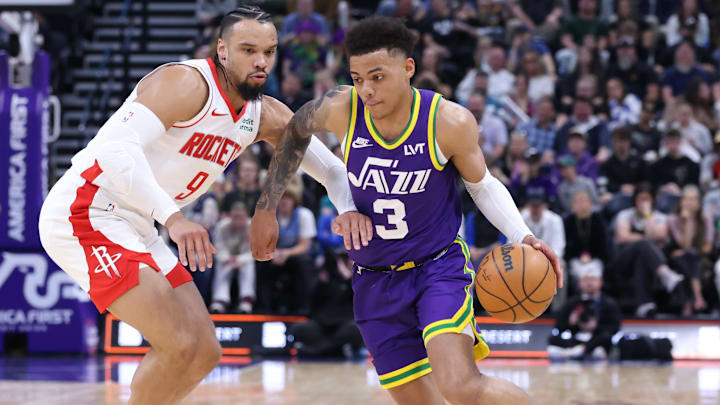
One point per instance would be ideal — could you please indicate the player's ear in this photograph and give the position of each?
(409, 67)
(222, 50)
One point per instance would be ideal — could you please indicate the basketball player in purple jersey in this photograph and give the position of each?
(413, 281)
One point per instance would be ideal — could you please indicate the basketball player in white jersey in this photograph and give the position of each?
(177, 131)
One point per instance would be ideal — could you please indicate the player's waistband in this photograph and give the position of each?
(413, 264)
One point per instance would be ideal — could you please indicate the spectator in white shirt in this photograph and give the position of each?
(501, 81)
(493, 131)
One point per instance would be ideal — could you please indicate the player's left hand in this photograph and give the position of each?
(263, 234)
(355, 228)
(549, 253)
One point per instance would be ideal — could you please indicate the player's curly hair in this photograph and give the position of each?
(375, 33)
(244, 12)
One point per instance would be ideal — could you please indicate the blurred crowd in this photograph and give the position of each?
(602, 117)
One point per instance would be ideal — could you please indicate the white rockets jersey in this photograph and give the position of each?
(192, 154)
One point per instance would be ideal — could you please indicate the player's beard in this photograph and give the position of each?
(249, 92)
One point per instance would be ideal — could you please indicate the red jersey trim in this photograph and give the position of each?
(209, 106)
(235, 116)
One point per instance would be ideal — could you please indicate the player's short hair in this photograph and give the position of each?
(375, 33)
(244, 12)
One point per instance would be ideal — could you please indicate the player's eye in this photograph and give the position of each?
(356, 80)
(249, 50)
(270, 52)
(378, 77)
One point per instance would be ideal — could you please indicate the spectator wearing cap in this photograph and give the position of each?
(624, 169)
(585, 163)
(624, 108)
(710, 167)
(492, 129)
(541, 130)
(688, 23)
(678, 76)
(305, 54)
(587, 322)
(675, 170)
(590, 127)
(531, 174)
(305, 13)
(572, 183)
(544, 223)
(637, 76)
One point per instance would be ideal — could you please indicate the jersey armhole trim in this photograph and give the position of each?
(351, 125)
(438, 160)
(197, 118)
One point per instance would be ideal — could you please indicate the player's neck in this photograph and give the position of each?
(391, 126)
(233, 95)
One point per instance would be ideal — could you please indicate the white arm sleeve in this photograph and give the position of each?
(328, 170)
(121, 157)
(496, 203)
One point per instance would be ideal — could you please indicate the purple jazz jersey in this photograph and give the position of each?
(408, 194)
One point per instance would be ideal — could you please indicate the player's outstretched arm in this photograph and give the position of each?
(291, 144)
(457, 135)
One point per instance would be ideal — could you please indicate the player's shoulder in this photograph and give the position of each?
(275, 114)
(181, 79)
(174, 92)
(453, 117)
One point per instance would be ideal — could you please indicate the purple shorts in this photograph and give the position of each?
(399, 311)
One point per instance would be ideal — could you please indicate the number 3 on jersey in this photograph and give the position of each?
(397, 218)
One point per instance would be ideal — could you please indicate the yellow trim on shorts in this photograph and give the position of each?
(464, 316)
(406, 374)
(351, 124)
(432, 141)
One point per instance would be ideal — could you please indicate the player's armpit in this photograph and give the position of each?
(174, 93)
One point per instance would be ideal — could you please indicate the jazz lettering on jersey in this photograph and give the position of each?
(399, 182)
(213, 148)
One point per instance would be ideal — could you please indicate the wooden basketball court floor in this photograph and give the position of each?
(106, 380)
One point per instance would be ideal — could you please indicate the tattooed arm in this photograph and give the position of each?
(327, 114)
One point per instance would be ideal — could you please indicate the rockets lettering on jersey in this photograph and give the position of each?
(408, 194)
(211, 148)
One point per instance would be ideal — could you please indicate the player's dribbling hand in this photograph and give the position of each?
(191, 239)
(263, 234)
(355, 228)
(549, 253)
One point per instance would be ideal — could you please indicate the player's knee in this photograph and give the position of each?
(459, 387)
(207, 356)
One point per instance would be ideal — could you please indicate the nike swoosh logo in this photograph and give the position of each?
(214, 114)
(360, 145)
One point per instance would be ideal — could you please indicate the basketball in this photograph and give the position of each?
(515, 283)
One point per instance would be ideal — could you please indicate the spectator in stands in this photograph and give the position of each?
(530, 176)
(523, 42)
(540, 130)
(624, 169)
(637, 76)
(675, 170)
(590, 127)
(247, 187)
(433, 74)
(542, 221)
(232, 243)
(640, 232)
(539, 16)
(293, 94)
(624, 108)
(439, 29)
(520, 97)
(695, 134)
(330, 329)
(572, 183)
(688, 23)
(587, 63)
(292, 260)
(645, 139)
(691, 240)
(586, 324)
(540, 83)
(586, 22)
(492, 129)
(305, 13)
(468, 84)
(677, 77)
(699, 96)
(501, 81)
(577, 147)
(517, 147)
(403, 9)
(305, 54)
(586, 236)
(710, 167)
(328, 240)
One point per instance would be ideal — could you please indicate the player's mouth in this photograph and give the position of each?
(373, 103)
(258, 77)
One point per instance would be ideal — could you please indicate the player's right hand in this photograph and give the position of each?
(355, 228)
(264, 233)
(192, 239)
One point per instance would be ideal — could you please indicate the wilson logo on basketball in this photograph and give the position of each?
(506, 258)
(106, 262)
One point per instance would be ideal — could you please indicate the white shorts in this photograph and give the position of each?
(100, 244)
